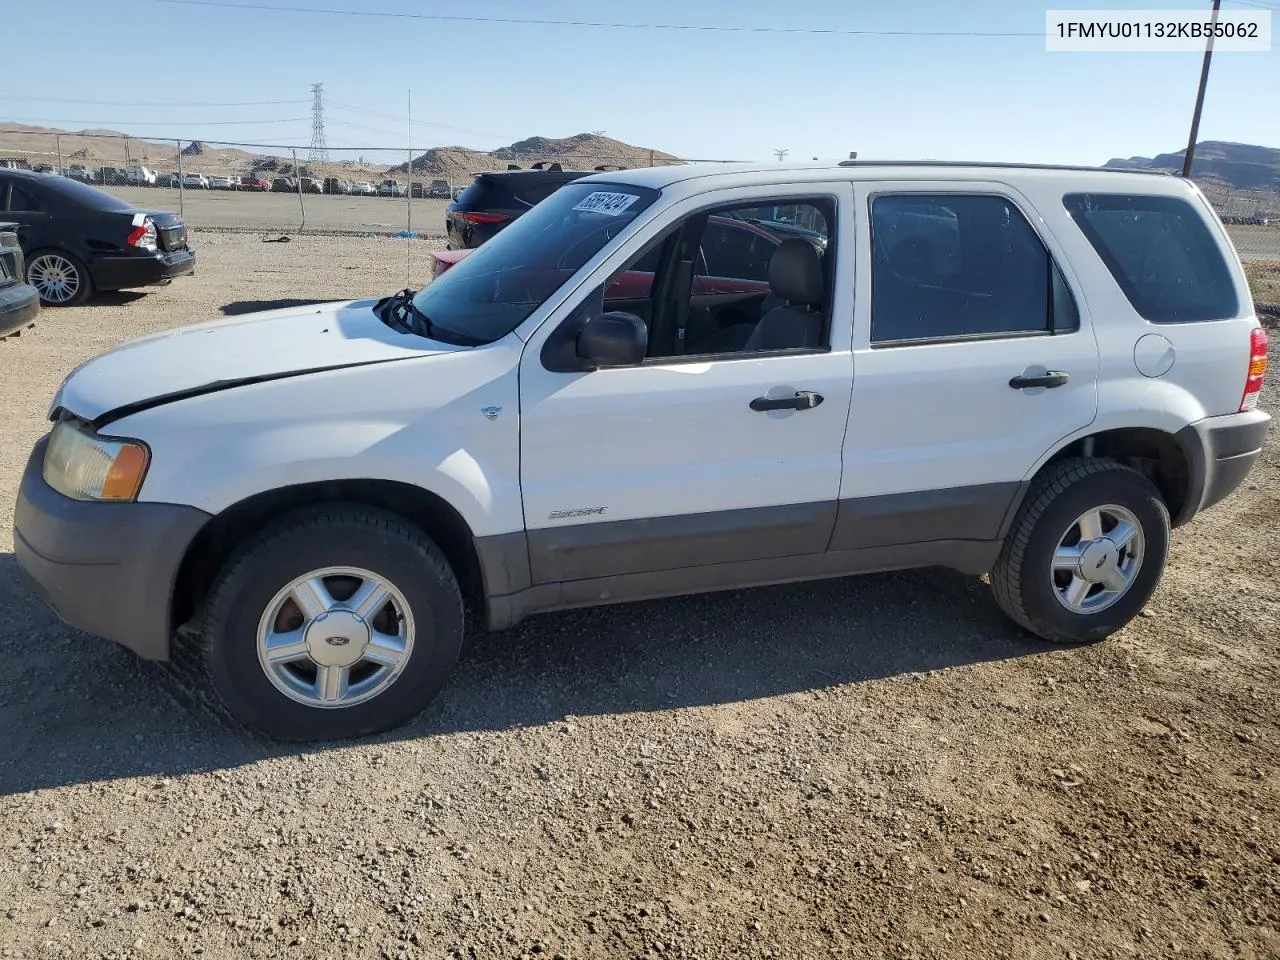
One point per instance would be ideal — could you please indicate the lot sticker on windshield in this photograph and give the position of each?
(607, 203)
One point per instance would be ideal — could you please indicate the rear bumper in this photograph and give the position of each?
(107, 569)
(19, 304)
(122, 273)
(1221, 452)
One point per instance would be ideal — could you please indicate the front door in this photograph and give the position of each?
(973, 359)
(702, 454)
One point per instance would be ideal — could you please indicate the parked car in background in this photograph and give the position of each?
(195, 181)
(363, 188)
(439, 190)
(140, 176)
(335, 185)
(496, 198)
(391, 188)
(78, 171)
(254, 184)
(283, 185)
(310, 185)
(76, 238)
(113, 177)
(19, 301)
(223, 183)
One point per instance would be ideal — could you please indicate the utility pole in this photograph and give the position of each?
(1204, 79)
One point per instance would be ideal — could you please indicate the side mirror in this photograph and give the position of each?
(614, 339)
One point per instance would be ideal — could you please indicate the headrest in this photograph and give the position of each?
(795, 272)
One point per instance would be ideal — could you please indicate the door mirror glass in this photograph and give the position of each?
(614, 339)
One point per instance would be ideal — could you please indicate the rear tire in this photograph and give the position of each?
(61, 279)
(1085, 553)
(277, 654)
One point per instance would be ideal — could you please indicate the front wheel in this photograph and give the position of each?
(1085, 553)
(337, 621)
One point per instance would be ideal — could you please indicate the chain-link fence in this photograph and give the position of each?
(375, 190)
(270, 187)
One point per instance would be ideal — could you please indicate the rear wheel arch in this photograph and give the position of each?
(219, 538)
(1174, 462)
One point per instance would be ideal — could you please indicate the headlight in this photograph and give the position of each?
(83, 466)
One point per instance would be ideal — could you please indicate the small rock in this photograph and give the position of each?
(1043, 917)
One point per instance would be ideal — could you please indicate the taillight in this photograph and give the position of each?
(470, 217)
(1257, 369)
(143, 237)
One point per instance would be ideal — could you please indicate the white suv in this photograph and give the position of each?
(657, 382)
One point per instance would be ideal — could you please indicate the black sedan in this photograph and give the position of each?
(77, 239)
(19, 302)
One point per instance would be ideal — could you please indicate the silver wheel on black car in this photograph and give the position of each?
(59, 278)
(336, 621)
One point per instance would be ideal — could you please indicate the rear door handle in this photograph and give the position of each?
(803, 400)
(1053, 378)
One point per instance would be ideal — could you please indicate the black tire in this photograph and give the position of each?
(309, 539)
(1021, 579)
(84, 289)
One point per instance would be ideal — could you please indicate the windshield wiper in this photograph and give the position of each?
(391, 310)
(401, 314)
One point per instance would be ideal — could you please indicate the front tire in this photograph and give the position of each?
(1085, 553)
(337, 621)
(61, 279)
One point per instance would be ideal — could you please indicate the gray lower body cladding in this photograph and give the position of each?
(594, 563)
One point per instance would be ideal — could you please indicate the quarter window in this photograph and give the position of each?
(21, 201)
(952, 266)
(1161, 254)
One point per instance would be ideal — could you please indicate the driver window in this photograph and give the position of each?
(735, 280)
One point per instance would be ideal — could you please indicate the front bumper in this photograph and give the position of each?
(105, 568)
(19, 304)
(1221, 452)
(123, 273)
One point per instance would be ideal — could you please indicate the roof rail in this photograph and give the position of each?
(995, 164)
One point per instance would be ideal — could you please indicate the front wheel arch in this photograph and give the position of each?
(218, 539)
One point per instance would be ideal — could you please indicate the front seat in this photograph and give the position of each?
(795, 275)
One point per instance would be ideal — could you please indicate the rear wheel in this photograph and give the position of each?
(336, 622)
(1086, 551)
(60, 279)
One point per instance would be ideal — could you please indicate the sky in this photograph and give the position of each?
(155, 68)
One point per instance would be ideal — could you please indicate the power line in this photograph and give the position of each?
(525, 21)
(351, 108)
(144, 103)
(151, 123)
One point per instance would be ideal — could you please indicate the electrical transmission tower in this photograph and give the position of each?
(318, 149)
(780, 154)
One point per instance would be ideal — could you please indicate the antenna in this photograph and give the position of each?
(780, 154)
(318, 149)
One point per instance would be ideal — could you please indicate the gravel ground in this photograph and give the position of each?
(879, 766)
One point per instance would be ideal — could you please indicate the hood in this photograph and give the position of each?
(220, 354)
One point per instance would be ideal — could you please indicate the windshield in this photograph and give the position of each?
(492, 291)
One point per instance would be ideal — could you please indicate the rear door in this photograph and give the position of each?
(973, 356)
(20, 205)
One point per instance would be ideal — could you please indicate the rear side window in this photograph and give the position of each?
(956, 267)
(1161, 254)
(23, 201)
(470, 198)
(538, 190)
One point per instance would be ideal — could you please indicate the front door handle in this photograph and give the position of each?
(1053, 378)
(803, 400)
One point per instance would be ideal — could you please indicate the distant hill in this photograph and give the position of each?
(585, 151)
(456, 164)
(1238, 166)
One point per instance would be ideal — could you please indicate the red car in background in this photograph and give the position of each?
(255, 184)
(734, 258)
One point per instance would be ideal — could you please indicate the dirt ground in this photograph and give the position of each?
(871, 767)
